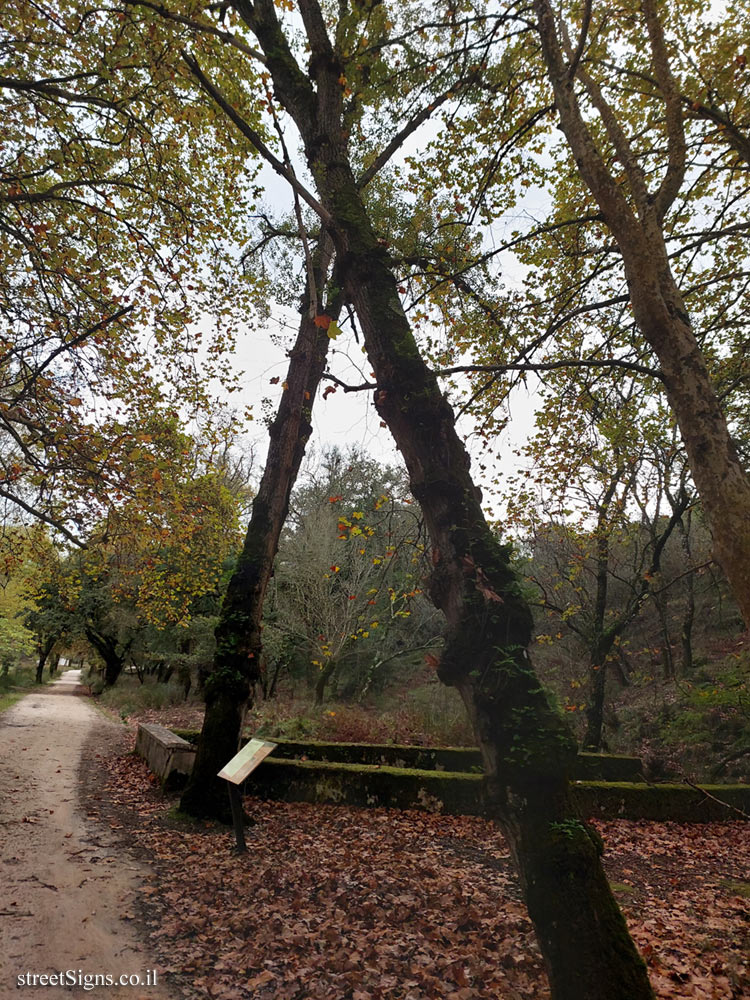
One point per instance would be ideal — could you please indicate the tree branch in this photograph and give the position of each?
(675, 172)
(210, 29)
(253, 137)
(546, 366)
(40, 516)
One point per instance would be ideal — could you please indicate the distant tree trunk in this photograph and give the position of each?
(185, 677)
(605, 638)
(236, 667)
(111, 654)
(667, 660)
(45, 648)
(54, 664)
(325, 674)
(164, 672)
(113, 667)
(686, 633)
(602, 639)
(592, 739)
(269, 676)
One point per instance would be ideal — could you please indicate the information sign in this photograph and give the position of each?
(246, 761)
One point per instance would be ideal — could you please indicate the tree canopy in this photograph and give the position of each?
(117, 250)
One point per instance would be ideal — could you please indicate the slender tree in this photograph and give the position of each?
(237, 662)
(634, 213)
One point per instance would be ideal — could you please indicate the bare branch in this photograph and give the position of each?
(41, 516)
(547, 366)
(675, 172)
(400, 138)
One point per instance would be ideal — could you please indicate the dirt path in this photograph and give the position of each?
(67, 892)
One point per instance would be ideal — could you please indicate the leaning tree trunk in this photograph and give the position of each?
(526, 747)
(237, 662)
(658, 306)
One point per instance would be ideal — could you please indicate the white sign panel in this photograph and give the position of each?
(246, 761)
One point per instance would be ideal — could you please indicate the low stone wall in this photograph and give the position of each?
(368, 785)
(169, 756)
(455, 792)
(661, 803)
(588, 766)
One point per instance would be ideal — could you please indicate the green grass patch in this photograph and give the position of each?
(622, 887)
(736, 888)
(16, 684)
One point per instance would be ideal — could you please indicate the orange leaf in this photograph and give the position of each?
(323, 321)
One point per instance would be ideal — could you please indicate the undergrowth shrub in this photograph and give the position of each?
(129, 697)
(711, 719)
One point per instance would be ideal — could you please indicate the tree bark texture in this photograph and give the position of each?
(526, 746)
(237, 661)
(658, 307)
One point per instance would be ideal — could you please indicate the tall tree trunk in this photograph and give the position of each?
(667, 659)
(592, 739)
(658, 306)
(236, 668)
(603, 639)
(526, 747)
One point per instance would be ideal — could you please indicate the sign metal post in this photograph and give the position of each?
(234, 773)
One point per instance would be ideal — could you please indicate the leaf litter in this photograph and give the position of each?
(342, 903)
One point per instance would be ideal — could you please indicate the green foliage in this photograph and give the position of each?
(117, 241)
(712, 716)
(347, 597)
(16, 684)
(16, 641)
